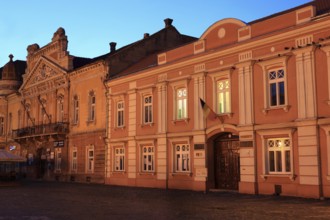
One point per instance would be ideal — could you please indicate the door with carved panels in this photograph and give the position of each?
(227, 165)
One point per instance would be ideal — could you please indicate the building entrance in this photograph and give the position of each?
(226, 161)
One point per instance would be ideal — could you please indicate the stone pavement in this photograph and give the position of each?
(58, 200)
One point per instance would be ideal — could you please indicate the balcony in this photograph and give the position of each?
(41, 130)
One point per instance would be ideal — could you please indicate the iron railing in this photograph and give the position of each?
(39, 130)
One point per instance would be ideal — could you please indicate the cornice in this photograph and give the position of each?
(253, 43)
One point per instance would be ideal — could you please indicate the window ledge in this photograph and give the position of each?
(186, 120)
(147, 124)
(285, 108)
(292, 177)
(181, 174)
(118, 172)
(147, 173)
(90, 122)
(119, 128)
(228, 114)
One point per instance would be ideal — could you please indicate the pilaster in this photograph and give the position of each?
(132, 130)
(306, 90)
(245, 85)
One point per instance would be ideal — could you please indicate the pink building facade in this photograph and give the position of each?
(245, 107)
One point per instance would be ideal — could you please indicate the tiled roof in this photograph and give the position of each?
(80, 61)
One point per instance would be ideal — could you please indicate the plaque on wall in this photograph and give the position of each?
(199, 146)
(246, 144)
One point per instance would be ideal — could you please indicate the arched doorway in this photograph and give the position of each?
(226, 161)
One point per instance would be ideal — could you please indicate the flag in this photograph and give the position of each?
(207, 111)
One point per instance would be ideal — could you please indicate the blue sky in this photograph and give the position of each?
(91, 24)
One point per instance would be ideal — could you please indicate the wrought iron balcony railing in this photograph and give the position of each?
(40, 130)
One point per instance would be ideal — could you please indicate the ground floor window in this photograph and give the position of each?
(279, 155)
(148, 159)
(119, 158)
(74, 160)
(58, 158)
(182, 158)
(90, 159)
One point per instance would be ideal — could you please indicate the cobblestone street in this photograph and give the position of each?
(58, 200)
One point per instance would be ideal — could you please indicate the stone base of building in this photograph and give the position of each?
(307, 191)
(247, 188)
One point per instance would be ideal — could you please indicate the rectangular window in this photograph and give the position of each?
(2, 126)
(92, 101)
(120, 114)
(90, 160)
(119, 159)
(223, 96)
(182, 103)
(10, 121)
(147, 109)
(19, 119)
(60, 109)
(58, 158)
(75, 110)
(276, 80)
(74, 160)
(279, 155)
(182, 158)
(148, 162)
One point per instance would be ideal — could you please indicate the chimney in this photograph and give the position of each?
(168, 22)
(11, 57)
(146, 35)
(112, 46)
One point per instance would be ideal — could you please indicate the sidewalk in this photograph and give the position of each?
(59, 200)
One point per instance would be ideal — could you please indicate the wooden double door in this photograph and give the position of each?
(227, 163)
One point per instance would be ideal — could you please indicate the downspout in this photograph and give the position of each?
(106, 138)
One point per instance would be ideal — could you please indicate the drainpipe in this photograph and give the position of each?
(319, 163)
(106, 126)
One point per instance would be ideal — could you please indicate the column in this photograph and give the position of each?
(162, 128)
(132, 130)
(326, 49)
(306, 90)
(245, 82)
(199, 92)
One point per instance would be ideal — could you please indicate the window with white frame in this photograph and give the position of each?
(223, 96)
(58, 158)
(120, 114)
(91, 109)
(119, 159)
(182, 157)
(74, 160)
(276, 87)
(279, 155)
(147, 109)
(90, 159)
(181, 103)
(2, 126)
(75, 110)
(148, 162)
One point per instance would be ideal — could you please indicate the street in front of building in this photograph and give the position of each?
(59, 200)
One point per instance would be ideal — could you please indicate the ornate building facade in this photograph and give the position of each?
(53, 106)
(244, 107)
